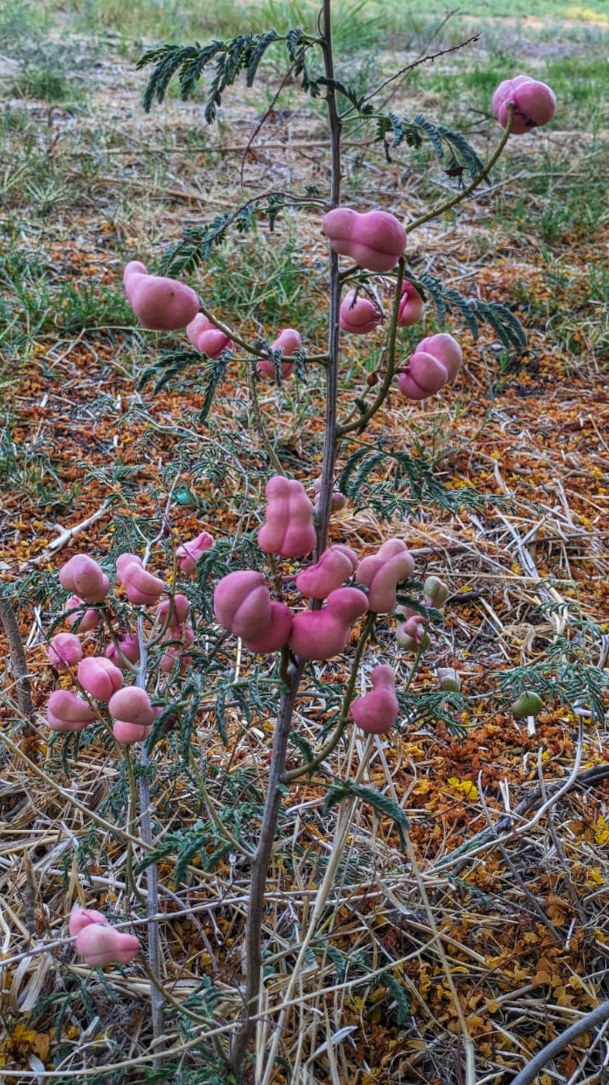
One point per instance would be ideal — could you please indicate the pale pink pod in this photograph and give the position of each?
(100, 944)
(158, 302)
(449, 680)
(68, 712)
(382, 572)
(411, 306)
(435, 592)
(242, 603)
(322, 634)
(289, 341)
(99, 677)
(359, 315)
(335, 565)
(83, 917)
(275, 635)
(378, 710)
(179, 614)
(86, 617)
(207, 338)
(188, 554)
(446, 349)
(424, 377)
(411, 633)
(181, 637)
(534, 103)
(65, 650)
(127, 733)
(375, 239)
(130, 648)
(337, 501)
(85, 578)
(288, 529)
(142, 587)
(133, 705)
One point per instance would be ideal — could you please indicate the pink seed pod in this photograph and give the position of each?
(534, 103)
(411, 633)
(449, 680)
(130, 648)
(133, 705)
(87, 618)
(424, 377)
(378, 710)
(337, 501)
(376, 239)
(83, 917)
(67, 712)
(435, 592)
(179, 614)
(382, 572)
(159, 303)
(446, 349)
(207, 338)
(359, 315)
(127, 733)
(322, 634)
(335, 565)
(65, 650)
(99, 677)
(289, 341)
(189, 553)
(99, 944)
(288, 530)
(276, 634)
(242, 603)
(85, 578)
(142, 587)
(181, 637)
(411, 306)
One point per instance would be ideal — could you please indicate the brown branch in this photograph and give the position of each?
(590, 1021)
(18, 665)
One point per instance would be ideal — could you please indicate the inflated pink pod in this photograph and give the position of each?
(99, 677)
(378, 710)
(85, 578)
(289, 341)
(181, 637)
(189, 553)
(242, 603)
(133, 705)
(323, 634)
(158, 302)
(65, 650)
(276, 634)
(288, 530)
(337, 501)
(127, 733)
(534, 103)
(411, 633)
(83, 917)
(411, 306)
(382, 572)
(446, 349)
(207, 338)
(179, 613)
(67, 712)
(359, 315)
(335, 565)
(142, 587)
(376, 239)
(86, 617)
(99, 944)
(130, 648)
(425, 376)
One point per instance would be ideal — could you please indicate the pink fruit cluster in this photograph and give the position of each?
(288, 341)
(97, 942)
(378, 710)
(375, 239)
(436, 361)
(159, 303)
(534, 103)
(412, 633)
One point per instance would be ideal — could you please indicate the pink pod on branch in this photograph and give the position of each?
(65, 650)
(83, 917)
(275, 635)
(99, 677)
(87, 618)
(178, 607)
(188, 554)
(180, 638)
(424, 376)
(323, 634)
(411, 306)
(159, 303)
(289, 341)
(127, 733)
(99, 944)
(132, 705)
(68, 712)
(446, 349)
(337, 500)
(142, 587)
(358, 315)
(335, 565)
(378, 710)
(242, 603)
(207, 338)
(411, 633)
(288, 529)
(85, 578)
(382, 572)
(375, 239)
(534, 103)
(127, 646)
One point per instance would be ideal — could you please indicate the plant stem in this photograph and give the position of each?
(19, 665)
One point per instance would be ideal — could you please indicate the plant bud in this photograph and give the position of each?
(435, 592)
(528, 704)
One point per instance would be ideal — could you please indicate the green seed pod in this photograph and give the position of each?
(435, 591)
(449, 680)
(528, 704)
